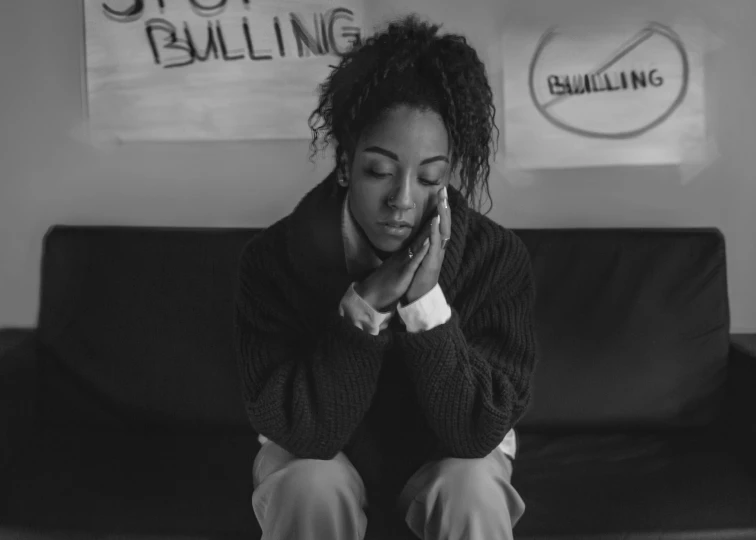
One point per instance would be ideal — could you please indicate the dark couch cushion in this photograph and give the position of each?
(632, 325)
(136, 327)
(118, 483)
(172, 486)
(635, 486)
(574, 486)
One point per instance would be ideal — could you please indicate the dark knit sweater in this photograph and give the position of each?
(316, 384)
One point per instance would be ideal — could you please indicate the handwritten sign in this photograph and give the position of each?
(601, 95)
(210, 69)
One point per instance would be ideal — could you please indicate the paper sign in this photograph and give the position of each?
(601, 95)
(210, 69)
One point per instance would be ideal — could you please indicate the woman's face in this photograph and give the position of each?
(404, 158)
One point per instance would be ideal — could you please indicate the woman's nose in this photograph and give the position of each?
(401, 197)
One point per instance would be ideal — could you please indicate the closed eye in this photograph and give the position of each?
(376, 174)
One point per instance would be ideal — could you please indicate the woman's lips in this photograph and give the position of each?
(399, 232)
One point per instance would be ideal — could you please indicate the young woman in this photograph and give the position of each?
(384, 327)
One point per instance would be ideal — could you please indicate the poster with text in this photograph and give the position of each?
(602, 95)
(179, 70)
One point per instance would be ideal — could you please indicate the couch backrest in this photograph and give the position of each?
(633, 327)
(136, 327)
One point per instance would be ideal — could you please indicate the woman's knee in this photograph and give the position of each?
(468, 481)
(462, 498)
(310, 498)
(472, 488)
(317, 480)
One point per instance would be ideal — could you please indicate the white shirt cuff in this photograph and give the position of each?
(426, 312)
(362, 314)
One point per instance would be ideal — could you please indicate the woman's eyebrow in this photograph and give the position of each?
(389, 154)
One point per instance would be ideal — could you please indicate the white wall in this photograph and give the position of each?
(49, 174)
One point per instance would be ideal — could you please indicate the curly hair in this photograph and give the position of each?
(410, 64)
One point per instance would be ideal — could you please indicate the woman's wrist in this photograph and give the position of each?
(379, 305)
(364, 293)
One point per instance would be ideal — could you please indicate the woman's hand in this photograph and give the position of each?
(383, 288)
(427, 274)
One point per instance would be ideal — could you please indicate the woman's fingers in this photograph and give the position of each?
(423, 235)
(418, 246)
(435, 243)
(435, 230)
(418, 257)
(445, 212)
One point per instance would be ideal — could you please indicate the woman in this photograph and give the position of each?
(384, 328)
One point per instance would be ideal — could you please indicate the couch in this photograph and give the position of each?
(121, 413)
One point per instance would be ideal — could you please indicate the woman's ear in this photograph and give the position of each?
(343, 169)
(341, 177)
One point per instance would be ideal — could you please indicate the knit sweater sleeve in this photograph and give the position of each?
(308, 396)
(473, 383)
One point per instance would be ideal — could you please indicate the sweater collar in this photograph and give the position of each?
(316, 236)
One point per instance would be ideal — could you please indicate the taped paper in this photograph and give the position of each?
(602, 94)
(230, 70)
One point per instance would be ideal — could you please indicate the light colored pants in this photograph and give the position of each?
(450, 499)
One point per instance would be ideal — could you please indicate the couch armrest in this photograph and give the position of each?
(10, 338)
(745, 343)
(18, 368)
(740, 399)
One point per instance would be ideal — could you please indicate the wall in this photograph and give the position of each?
(49, 174)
